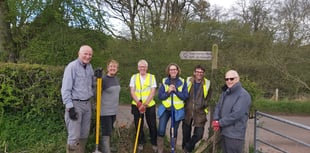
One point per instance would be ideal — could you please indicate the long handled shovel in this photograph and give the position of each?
(98, 74)
(137, 134)
(172, 125)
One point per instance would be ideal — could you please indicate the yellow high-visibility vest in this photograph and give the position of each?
(177, 102)
(206, 86)
(142, 92)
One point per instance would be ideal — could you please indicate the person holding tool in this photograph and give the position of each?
(173, 92)
(142, 90)
(196, 108)
(77, 88)
(231, 114)
(109, 104)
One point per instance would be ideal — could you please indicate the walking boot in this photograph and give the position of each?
(160, 144)
(72, 148)
(155, 149)
(140, 148)
(82, 145)
(105, 144)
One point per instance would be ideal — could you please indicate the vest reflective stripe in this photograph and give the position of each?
(142, 92)
(177, 102)
(206, 86)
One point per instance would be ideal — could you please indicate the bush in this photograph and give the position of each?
(30, 89)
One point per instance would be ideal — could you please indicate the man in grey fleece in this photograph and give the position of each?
(77, 88)
(231, 114)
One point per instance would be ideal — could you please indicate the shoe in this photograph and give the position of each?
(185, 151)
(155, 149)
(140, 147)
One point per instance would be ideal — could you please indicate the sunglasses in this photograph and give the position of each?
(231, 79)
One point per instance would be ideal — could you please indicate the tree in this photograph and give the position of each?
(5, 36)
(126, 11)
(292, 20)
(201, 9)
(146, 19)
(23, 21)
(256, 13)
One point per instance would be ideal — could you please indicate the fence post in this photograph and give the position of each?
(277, 94)
(247, 141)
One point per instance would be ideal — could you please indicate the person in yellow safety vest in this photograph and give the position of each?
(173, 86)
(196, 108)
(142, 90)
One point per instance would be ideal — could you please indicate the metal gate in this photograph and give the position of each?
(279, 139)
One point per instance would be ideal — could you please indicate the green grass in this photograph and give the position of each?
(21, 134)
(283, 107)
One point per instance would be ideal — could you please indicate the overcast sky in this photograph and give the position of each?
(223, 3)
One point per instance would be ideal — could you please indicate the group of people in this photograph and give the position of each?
(182, 100)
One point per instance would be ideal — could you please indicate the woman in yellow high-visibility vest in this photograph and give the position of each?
(172, 85)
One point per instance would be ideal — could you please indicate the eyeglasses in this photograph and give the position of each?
(231, 79)
(199, 72)
(173, 69)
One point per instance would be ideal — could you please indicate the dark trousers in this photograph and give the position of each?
(107, 124)
(150, 115)
(230, 145)
(189, 140)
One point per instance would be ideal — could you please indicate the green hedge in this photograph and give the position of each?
(30, 107)
(30, 89)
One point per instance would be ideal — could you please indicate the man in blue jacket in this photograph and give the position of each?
(231, 114)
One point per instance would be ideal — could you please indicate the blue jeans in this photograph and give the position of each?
(163, 120)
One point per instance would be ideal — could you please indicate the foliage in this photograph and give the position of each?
(51, 37)
(25, 22)
(29, 89)
(60, 46)
(31, 108)
(32, 134)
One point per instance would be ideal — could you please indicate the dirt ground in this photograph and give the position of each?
(125, 119)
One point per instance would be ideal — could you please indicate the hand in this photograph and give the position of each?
(216, 125)
(73, 114)
(171, 88)
(98, 72)
(140, 107)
